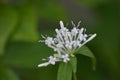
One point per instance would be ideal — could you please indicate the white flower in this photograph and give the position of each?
(65, 58)
(49, 41)
(65, 43)
(74, 31)
(52, 60)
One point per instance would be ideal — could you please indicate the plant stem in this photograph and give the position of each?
(74, 76)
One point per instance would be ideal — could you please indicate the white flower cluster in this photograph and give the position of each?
(66, 43)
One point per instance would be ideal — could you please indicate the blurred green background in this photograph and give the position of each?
(23, 21)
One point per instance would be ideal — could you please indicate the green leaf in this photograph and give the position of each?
(73, 62)
(64, 71)
(8, 74)
(87, 52)
(27, 27)
(8, 20)
(11, 75)
(26, 54)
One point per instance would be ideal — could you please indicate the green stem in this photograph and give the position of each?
(74, 76)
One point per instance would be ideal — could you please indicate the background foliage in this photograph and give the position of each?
(23, 21)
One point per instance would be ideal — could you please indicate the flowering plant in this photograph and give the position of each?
(67, 43)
